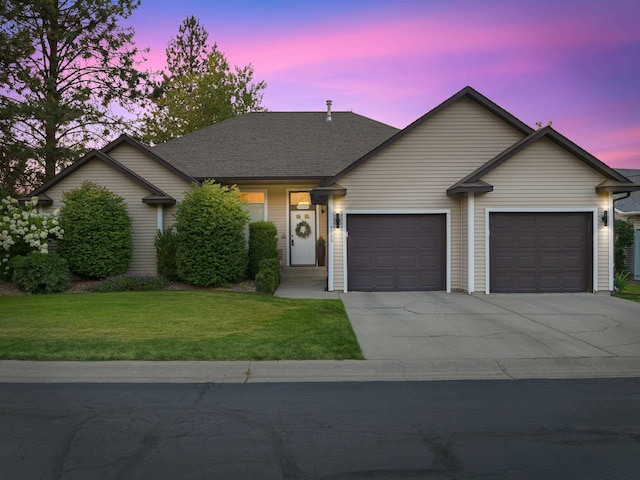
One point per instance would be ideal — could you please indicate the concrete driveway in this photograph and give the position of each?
(438, 325)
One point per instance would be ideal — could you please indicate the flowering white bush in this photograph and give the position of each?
(23, 230)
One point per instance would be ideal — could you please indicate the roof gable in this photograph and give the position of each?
(149, 153)
(468, 93)
(156, 195)
(614, 181)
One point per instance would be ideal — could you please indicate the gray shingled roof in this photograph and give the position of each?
(631, 204)
(263, 145)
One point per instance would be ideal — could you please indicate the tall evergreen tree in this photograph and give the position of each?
(65, 65)
(198, 87)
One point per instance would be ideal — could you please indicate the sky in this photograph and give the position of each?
(575, 63)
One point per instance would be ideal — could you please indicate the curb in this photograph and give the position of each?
(17, 371)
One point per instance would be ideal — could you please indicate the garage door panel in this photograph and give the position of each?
(432, 262)
(549, 283)
(550, 262)
(382, 281)
(549, 242)
(406, 252)
(574, 262)
(525, 262)
(383, 261)
(572, 241)
(540, 252)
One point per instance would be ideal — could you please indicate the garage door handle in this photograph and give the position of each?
(292, 242)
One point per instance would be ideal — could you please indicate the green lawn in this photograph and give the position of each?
(173, 325)
(631, 292)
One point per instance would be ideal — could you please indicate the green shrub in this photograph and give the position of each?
(266, 281)
(130, 282)
(41, 273)
(263, 243)
(271, 264)
(624, 238)
(621, 281)
(166, 243)
(23, 229)
(211, 249)
(97, 232)
(268, 277)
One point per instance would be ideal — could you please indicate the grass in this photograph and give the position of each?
(173, 325)
(631, 292)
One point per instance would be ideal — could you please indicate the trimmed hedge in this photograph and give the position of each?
(41, 273)
(263, 243)
(211, 249)
(97, 232)
(268, 277)
(624, 238)
(166, 244)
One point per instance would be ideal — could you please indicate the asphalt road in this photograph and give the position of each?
(525, 429)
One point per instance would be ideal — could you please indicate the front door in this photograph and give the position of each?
(303, 237)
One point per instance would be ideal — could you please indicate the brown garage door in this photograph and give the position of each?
(396, 252)
(541, 252)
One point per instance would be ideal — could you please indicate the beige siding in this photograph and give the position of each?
(277, 201)
(150, 170)
(155, 174)
(415, 172)
(543, 176)
(143, 216)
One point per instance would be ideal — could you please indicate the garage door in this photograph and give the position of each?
(396, 252)
(541, 252)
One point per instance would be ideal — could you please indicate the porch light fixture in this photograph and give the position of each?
(337, 220)
(605, 218)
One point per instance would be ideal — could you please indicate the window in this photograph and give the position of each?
(255, 205)
(300, 200)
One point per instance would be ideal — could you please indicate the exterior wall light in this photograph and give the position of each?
(337, 220)
(605, 218)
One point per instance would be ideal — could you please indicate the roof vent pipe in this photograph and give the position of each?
(328, 110)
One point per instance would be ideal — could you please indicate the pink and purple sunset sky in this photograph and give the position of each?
(573, 62)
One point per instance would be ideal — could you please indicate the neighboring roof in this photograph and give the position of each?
(155, 194)
(468, 93)
(275, 145)
(632, 203)
(614, 181)
(124, 138)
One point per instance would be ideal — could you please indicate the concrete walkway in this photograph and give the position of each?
(415, 336)
(304, 282)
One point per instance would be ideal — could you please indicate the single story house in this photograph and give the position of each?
(467, 197)
(627, 207)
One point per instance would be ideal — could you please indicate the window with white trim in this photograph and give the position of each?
(255, 204)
